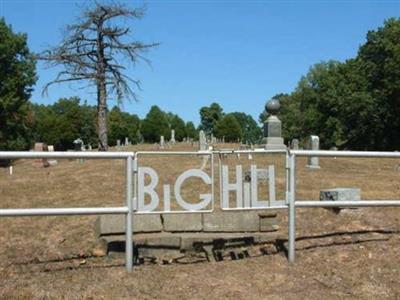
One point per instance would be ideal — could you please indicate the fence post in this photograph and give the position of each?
(128, 219)
(287, 178)
(292, 209)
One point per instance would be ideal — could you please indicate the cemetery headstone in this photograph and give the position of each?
(172, 141)
(42, 147)
(273, 127)
(52, 162)
(313, 144)
(295, 144)
(79, 146)
(162, 142)
(203, 141)
(340, 194)
(126, 141)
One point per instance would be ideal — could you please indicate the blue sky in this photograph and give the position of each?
(237, 53)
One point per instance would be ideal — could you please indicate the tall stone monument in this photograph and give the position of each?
(273, 127)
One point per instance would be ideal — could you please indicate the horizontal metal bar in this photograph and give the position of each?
(254, 208)
(67, 154)
(206, 152)
(21, 212)
(172, 212)
(356, 203)
(248, 151)
(173, 153)
(345, 153)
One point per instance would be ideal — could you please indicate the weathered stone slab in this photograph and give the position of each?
(231, 221)
(109, 224)
(268, 224)
(182, 222)
(340, 194)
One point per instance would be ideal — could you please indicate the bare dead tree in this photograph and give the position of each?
(93, 50)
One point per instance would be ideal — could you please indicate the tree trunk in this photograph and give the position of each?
(102, 116)
(101, 91)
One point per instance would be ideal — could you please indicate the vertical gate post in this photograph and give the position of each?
(128, 219)
(287, 177)
(292, 209)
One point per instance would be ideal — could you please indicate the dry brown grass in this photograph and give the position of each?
(50, 257)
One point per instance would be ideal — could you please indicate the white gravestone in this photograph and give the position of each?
(313, 161)
(202, 141)
(162, 142)
(295, 144)
(172, 141)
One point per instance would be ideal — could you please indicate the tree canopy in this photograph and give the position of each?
(353, 104)
(209, 116)
(17, 77)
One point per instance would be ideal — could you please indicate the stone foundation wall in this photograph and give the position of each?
(227, 221)
(210, 236)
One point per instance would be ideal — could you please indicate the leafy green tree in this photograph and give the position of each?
(228, 128)
(121, 125)
(88, 130)
(379, 62)
(352, 105)
(313, 107)
(17, 76)
(61, 123)
(46, 126)
(154, 125)
(176, 123)
(209, 116)
(251, 132)
(191, 131)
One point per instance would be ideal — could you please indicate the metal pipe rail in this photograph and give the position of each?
(126, 210)
(68, 154)
(356, 203)
(29, 212)
(291, 189)
(326, 153)
(131, 159)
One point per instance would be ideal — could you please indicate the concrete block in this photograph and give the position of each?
(182, 222)
(147, 223)
(110, 224)
(268, 224)
(340, 194)
(231, 221)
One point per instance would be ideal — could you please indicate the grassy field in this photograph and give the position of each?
(354, 254)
